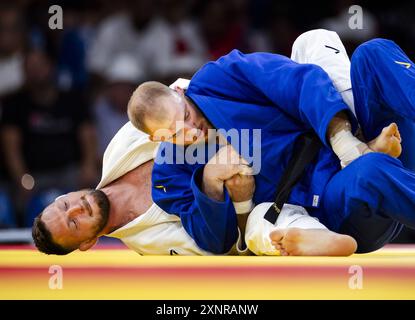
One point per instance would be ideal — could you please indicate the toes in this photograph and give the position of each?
(277, 235)
(277, 245)
(394, 147)
(395, 131)
(398, 134)
(390, 129)
(283, 252)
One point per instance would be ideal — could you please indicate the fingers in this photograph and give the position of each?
(228, 155)
(245, 170)
(227, 163)
(240, 180)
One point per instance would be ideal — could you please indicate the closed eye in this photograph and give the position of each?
(186, 112)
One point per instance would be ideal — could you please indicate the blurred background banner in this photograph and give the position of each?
(64, 87)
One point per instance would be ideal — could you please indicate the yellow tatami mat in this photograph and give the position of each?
(122, 274)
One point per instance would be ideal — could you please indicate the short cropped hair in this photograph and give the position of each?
(144, 101)
(44, 241)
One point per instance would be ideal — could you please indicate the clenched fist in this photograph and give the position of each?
(240, 187)
(226, 164)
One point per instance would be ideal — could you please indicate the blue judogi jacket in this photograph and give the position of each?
(251, 91)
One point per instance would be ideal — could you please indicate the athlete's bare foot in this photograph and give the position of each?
(389, 141)
(312, 242)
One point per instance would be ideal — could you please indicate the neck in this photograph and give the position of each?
(129, 197)
(114, 218)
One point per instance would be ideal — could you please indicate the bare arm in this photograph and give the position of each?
(346, 146)
(339, 122)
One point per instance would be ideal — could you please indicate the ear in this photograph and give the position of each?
(86, 245)
(179, 90)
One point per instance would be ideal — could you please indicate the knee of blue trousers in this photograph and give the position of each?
(371, 49)
(371, 229)
(349, 189)
(369, 166)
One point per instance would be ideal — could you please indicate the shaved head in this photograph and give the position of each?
(148, 101)
(167, 114)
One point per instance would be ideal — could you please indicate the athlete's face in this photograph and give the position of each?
(184, 124)
(76, 219)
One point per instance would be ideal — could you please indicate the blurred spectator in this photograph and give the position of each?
(179, 49)
(48, 138)
(164, 45)
(281, 35)
(7, 214)
(123, 33)
(221, 31)
(226, 25)
(110, 110)
(11, 46)
(71, 64)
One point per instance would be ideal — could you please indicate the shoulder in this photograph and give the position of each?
(170, 161)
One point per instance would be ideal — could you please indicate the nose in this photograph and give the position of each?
(189, 124)
(74, 211)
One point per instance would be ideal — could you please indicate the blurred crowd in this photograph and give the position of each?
(64, 92)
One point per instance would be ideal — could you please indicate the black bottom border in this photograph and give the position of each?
(206, 309)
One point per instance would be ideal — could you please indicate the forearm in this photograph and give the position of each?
(217, 228)
(338, 123)
(344, 144)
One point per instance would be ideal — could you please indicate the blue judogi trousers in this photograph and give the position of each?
(375, 195)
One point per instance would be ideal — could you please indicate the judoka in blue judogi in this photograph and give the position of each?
(369, 199)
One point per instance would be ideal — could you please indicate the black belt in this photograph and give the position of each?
(306, 148)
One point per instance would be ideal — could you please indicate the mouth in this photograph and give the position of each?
(197, 135)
